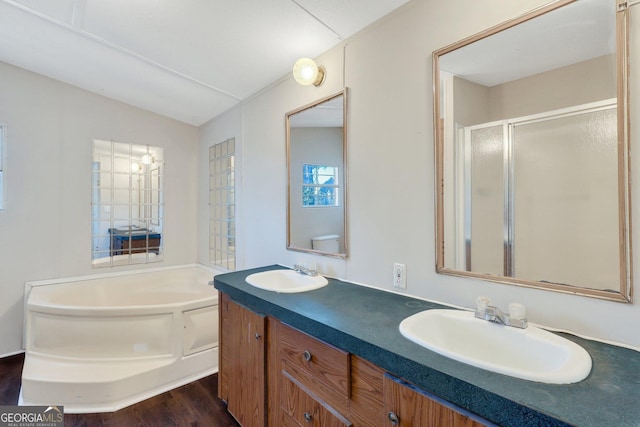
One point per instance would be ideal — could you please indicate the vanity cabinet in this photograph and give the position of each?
(242, 376)
(123, 243)
(289, 378)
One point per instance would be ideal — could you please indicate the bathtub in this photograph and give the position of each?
(101, 343)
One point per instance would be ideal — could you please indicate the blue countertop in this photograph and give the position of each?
(136, 235)
(364, 321)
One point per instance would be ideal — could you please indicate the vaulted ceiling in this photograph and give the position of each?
(185, 59)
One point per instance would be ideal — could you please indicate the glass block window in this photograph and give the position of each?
(222, 205)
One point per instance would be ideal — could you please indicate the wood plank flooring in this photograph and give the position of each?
(193, 405)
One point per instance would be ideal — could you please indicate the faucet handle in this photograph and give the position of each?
(482, 303)
(517, 311)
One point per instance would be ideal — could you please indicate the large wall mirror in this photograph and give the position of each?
(127, 203)
(531, 122)
(317, 171)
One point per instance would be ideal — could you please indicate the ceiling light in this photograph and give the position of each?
(306, 72)
(147, 159)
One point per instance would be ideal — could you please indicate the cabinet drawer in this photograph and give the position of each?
(320, 367)
(299, 408)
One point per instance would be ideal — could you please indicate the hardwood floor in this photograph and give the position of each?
(10, 378)
(193, 405)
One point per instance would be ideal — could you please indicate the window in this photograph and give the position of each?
(222, 205)
(127, 203)
(2, 165)
(319, 185)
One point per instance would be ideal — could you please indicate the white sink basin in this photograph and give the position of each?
(530, 354)
(286, 281)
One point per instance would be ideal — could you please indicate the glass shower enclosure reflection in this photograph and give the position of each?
(556, 170)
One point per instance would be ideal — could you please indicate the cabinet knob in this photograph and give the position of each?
(257, 336)
(393, 418)
(307, 355)
(307, 417)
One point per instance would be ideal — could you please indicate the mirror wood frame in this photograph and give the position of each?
(344, 253)
(624, 293)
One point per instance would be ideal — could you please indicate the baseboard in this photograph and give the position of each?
(15, 353)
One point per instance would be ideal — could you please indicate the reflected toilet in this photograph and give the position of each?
(326, 243)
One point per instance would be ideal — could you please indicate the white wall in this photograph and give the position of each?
(228, 127)
(45, 232)
(387, 68)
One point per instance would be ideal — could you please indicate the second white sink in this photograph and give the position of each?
(530, 354)
(286, 281)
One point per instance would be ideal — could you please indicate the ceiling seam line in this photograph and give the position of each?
(78, 13)
(318, 19)
(114, 46)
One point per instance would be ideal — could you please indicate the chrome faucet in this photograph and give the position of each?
(304, 270)
(515, 318)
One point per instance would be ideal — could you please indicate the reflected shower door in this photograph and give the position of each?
(484, 213)
(574, 191)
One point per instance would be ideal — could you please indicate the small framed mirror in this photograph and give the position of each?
(532, 155)
(317, 177)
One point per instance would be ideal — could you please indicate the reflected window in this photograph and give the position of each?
(127, 203)
(319, 185)
(222, 205)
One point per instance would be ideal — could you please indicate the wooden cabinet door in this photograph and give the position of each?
(366, 405)
(407, 406)
(242, 362)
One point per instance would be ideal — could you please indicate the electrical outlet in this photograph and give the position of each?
(399, 276)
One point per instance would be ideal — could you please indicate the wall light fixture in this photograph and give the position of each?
(307, 72)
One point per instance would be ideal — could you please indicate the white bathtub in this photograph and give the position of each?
(98, 344)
